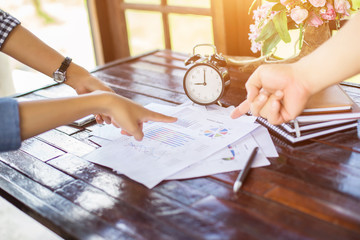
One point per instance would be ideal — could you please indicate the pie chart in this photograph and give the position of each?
(216, 132)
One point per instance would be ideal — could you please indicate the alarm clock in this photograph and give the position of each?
(206, 80)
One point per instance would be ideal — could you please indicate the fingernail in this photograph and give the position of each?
(274, 104)
(279, 93)
(262, 98)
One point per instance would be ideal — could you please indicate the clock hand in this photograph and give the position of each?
(204, 77)
(202, 83)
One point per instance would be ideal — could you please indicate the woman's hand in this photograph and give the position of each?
(130, 116)
(83, 82)
(42, 115)
(275, 92)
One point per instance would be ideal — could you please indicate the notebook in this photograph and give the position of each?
(291, 126)
(354, 113)
(329, 111)
(331, 104)
(331, 100)
(293, 137)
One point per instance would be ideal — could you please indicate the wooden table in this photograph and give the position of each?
(311, 191)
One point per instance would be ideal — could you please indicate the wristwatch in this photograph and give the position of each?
(60, 74)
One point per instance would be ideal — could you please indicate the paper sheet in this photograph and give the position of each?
(168, 148)
(264, 141)
(109, 132)
(234, 156)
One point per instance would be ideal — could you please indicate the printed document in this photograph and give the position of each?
(168, 148)
(231, 158)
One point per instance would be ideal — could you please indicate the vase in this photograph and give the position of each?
(313, 38)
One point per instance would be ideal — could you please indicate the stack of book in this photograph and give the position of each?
(329, 111)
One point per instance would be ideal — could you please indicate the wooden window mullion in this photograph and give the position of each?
(119, 29)
(218, 22)
(166, 25)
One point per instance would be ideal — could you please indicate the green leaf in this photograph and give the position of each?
(270, 43)
(301, 36)
(280, 22)
(267, 31)
(278, 7)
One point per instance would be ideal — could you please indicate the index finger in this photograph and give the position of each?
(240, 110)
(158, 117)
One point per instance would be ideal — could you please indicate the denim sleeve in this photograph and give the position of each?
(9, 125)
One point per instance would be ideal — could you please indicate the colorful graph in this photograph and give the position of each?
(232, 153)
(168, 136)
(216, 132)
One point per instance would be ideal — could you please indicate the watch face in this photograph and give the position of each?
(59, 76)
(203, 84)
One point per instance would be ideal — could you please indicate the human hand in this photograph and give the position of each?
(275, 92)
(130, 116)
(83, 82)
(90, 83)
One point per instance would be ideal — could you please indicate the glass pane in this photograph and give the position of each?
(190, 3)
(145, 31)
(143, 1)
(55, 23)
(188, 30)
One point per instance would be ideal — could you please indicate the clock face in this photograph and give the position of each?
(203, 84)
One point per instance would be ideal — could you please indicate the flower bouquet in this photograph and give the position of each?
(274, 18)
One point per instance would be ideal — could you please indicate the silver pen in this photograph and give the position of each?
(242, 175)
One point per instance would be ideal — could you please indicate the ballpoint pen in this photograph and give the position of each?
(242, 175)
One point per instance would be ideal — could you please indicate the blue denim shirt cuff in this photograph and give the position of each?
(10, 138)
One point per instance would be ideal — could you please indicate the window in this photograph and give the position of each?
(123, 28)
(63, 25)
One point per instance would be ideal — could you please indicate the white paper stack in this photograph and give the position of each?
(204, 141)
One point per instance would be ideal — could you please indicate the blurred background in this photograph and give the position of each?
(65, 26)
(62, 24)
(94, 32)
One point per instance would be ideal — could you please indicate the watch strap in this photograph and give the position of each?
(65, 64)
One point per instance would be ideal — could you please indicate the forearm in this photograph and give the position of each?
(334, 61)
(30, 50)
(39, 116)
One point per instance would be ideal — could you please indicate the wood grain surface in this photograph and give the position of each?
(311, 191)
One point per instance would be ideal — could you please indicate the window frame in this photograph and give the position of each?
(108, 24)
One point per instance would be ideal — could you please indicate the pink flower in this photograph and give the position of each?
(261, 12)
(262, 15)
(298, 14)
(283, 2)
(255, 47)
(341, 6)
(314, 20)
(317, 3)
(330, 12)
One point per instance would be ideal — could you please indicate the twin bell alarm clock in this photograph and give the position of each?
(206, 80)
